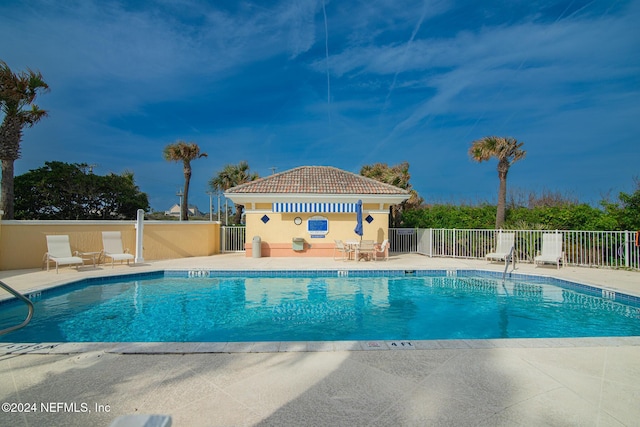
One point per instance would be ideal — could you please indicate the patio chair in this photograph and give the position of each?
(551, 250)
(383, 250)
(59, 251)
(340, 247)
(112, 243)
(504, 245)
(366, 249)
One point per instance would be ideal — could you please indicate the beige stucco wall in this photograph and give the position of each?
(23, 243)
(277, 234)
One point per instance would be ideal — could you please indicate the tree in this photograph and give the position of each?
(232, 176)
(17, 93)
(184, 152)
(627, 212)
(398, 176)
(507, 151)
(65, 191)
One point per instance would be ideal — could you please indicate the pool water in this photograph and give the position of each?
(235, 309)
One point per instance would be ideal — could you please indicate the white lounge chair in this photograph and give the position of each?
(59, 251)
(340, 247)
(383, 249)
(504, 243)
(112, 243)
(551, 250)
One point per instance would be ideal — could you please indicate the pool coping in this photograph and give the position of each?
(320, 346)
(54, 348)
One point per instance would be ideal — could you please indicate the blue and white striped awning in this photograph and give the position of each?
(315, 207)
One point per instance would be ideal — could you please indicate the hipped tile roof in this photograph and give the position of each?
(316, 180)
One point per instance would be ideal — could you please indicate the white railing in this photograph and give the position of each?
(613, 249)
(232, 238)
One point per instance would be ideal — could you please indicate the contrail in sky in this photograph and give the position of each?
(395, 77)
(406, 51)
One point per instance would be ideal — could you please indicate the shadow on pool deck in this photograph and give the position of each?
(548, 382)
(497, 386)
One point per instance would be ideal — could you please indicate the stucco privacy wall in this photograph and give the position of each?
(23, 243)
(277, 233)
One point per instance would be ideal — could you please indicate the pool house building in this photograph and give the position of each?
(301, 211)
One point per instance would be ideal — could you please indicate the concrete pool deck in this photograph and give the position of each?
(585, 381)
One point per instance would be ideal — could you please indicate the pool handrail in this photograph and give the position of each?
(509, 258)
(23, 299)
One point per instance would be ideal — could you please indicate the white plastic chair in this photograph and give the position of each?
(383, 249)
(340, 247)
(112, 243)
(59, 251)
(366, 249)
(504, 243)
(551, 250)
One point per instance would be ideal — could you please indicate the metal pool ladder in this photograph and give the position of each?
(508, 259)
(23, 299)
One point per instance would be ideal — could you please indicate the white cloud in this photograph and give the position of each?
(411, 74)
(301, 23)
(150, 53)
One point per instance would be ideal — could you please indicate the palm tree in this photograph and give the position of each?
(507, 151)
(184, 152)
(17, 93)
(231, 176)
(398, 176)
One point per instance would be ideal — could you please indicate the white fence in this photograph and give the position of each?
(613, 249)
(232, 238)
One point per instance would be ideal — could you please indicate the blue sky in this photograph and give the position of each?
(340, 83)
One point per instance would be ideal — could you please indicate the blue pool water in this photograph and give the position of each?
(323, 307)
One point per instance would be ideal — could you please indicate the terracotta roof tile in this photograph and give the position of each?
(316, 180)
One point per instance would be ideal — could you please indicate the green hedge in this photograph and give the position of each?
(570, 217)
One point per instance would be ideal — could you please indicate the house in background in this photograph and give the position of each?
(313, 205)
(175, 211)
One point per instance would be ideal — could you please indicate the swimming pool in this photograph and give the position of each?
(225, 306)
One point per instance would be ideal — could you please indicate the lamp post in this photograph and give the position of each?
(210, 205)
(218, 206)
(180, 194)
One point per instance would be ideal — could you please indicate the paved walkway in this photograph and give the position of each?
(590, 382)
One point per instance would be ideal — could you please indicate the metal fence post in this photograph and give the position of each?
(626, 248)
(223, 244)
(454, 243)
(432, 243)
